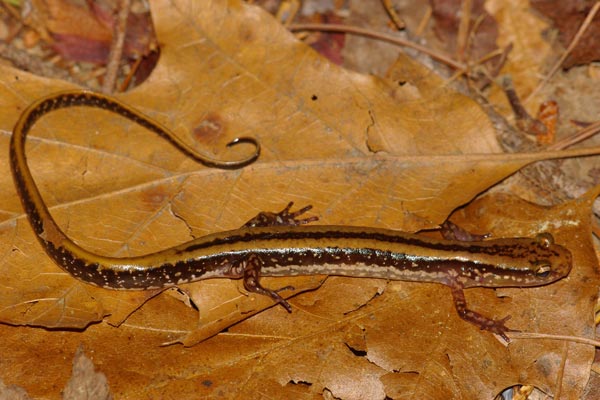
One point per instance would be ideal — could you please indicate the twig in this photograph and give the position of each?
(586, 23)
(424, 21)
(525, 122)
(462, 37)
(381, 36)
(129, 77)
(575, 339)
(116, 51)
(579, 136)
(387, 4)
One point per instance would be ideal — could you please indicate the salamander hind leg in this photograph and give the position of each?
(251, 277)
(281, 218)
(479, 320)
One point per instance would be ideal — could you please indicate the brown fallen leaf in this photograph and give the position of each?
(404, 339)
(521, 28)
(362, 150)
(567, 19)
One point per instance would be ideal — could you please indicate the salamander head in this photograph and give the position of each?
(549, 261)
(523, 262)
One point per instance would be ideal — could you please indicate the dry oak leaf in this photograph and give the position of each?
(152, 197)
(227, 70)
(405, 342)
(525, 30)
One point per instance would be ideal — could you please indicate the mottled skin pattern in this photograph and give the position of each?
(276, 244)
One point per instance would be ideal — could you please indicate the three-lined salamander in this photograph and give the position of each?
(275, 244)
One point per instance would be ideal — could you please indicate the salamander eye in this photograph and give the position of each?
(545, 239)
(543, 270)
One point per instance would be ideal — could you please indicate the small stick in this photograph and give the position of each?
(378, 35)
(387, 4)
(116, 51)
(577, 137)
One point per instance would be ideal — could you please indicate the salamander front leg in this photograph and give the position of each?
(251, 279)
(483, 322)
(281, 218)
